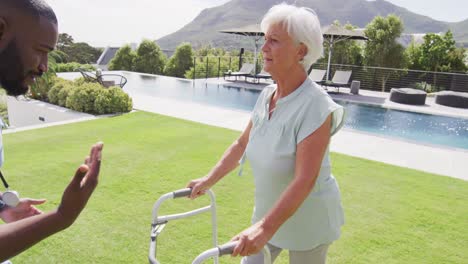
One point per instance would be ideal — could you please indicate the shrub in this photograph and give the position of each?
(54, 91)
(121, 102)
(90, 97)
(427, 87)
(82, 97)
(81, 80)
(112, 100)
(63, 95)
(102, 104)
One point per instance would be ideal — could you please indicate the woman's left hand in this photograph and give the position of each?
(252, 240)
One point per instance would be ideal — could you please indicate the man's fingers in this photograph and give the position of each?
(96, 155)
(95, 165)
(79, 174)
(92, 152)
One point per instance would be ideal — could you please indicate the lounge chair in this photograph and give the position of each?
(262, 75)
(317, 75)
(105, 80)
(245, 71)
(340, 79)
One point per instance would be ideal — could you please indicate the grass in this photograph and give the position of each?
(393, 215)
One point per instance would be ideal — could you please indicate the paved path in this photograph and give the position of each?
(25, 114)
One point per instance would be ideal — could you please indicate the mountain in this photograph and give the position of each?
(460, 32)
(204, 28)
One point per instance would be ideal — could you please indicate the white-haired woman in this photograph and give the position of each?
(297, 200)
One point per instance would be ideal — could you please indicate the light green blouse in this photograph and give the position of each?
(271, 152)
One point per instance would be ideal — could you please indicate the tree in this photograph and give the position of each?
(64, 40)
(439, 53)
(80, 52)
(59, 56)
(83, 53)
(344, 52)
(211, 62)
(413, 54)
(180, 62)
(149, 58)
(382, 49)
(124, 59)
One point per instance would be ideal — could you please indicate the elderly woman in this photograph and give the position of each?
(297, 200)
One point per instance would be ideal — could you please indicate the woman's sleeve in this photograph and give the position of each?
(315, 114)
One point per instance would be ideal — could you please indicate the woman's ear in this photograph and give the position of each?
(302, 52)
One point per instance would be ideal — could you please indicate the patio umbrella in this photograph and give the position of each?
(249, 31)
(333, 34)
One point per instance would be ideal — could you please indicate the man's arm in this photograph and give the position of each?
(20, 235)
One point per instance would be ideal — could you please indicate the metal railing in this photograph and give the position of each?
(371, 78)
(215, 66)
(383, 79)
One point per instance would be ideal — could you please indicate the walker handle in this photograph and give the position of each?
(182, 193)
(227, 249)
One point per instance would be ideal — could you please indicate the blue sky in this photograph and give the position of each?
(115, 22)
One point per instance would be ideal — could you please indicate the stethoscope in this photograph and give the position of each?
(10, 197)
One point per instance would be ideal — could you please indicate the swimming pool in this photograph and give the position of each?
(423, 128)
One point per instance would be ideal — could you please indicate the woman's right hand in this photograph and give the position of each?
(199, 187)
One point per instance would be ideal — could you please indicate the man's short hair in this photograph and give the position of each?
(34, 8)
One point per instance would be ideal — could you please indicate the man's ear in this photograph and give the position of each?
(2, 27)
(3, 31)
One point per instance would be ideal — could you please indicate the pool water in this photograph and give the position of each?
(423, 128)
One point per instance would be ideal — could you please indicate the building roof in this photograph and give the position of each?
(107, 55)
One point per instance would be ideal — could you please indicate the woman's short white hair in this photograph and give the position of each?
(302, 24)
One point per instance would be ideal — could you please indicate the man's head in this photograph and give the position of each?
(28, 32)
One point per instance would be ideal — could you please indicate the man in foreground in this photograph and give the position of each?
(28, 32)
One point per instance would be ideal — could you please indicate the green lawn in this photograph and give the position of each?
(393, 215)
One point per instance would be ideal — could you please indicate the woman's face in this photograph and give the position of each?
(280, 53)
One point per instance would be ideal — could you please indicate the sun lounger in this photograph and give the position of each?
(245, 71)
(257, 77)
(317, 75)
(340, 79)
